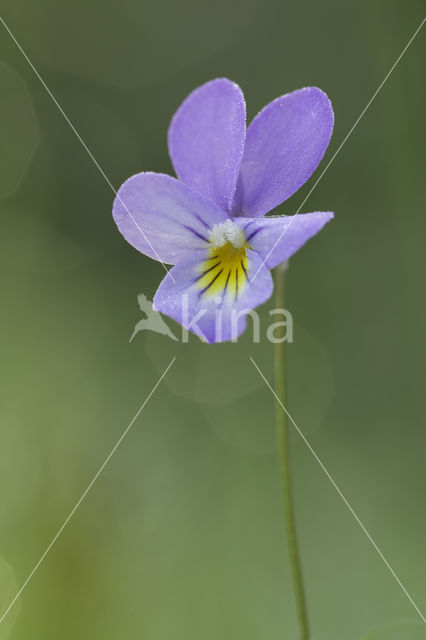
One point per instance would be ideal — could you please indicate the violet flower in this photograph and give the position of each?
(209, 223)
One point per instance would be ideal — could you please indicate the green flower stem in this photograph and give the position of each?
(284, 455)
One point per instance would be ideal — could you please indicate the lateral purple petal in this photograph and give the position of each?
(277, 238)
(217, 317)
(162, 218)
(206, 140)
(284, 145)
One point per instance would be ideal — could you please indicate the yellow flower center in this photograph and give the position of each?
(225, 271)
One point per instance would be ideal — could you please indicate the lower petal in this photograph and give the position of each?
(212, 297)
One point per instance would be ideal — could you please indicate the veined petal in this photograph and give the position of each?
(211, 297)
(277, 238)
(162, 218)
(206, 140)
(284, 145)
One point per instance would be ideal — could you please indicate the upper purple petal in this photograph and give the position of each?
(206, 140)
(162, 218)
(215, 318)
(277, 238)
(284, 145)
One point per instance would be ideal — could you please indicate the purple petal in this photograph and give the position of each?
(162, 218)
(284, 145)
(277, 238)
(206, 140)
(215, 312)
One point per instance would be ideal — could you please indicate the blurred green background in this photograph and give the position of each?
(182, 535)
